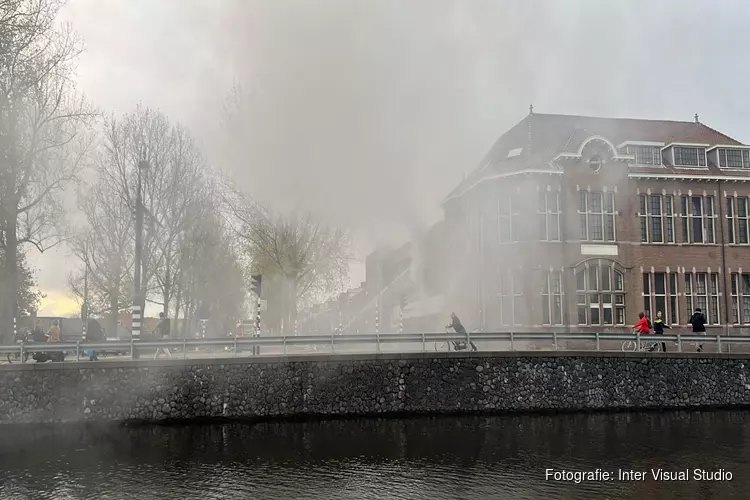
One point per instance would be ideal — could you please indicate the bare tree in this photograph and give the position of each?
(105, 250)
(173, 184)
(311, 258)
(42, 120)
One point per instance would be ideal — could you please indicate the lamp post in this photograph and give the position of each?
(138, 299)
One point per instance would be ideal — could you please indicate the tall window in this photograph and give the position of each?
(734, 158)
(508, 217)
(697, 213)
(596, 212)
(660, 294)
(689, 157)
(645, 155)
(657, 218)
(741, 299)
(600, 295)
(737, 220)
(552, 299)
(511, 297)
(549, 215)
(702, 290)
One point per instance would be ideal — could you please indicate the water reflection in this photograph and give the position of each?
(425, 458)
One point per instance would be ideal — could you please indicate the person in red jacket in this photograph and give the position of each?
(642, 326)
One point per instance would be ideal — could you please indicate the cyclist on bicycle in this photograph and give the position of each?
(459, 328)
(643, 325)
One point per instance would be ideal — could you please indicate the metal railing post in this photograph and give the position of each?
(184, 348)
(284, 351)
(22, 350)
(235, 347)
(554, 339)
(637, 341)
(679, 343)
(377, 342)
(718, 343)
(424, 346)
(78, 350)
(333, 337)
(512, 341)
(598, 346)
(132, 348)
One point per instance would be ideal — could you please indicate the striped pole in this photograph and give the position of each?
(15, 328)
(401, 320)
(136, 321)
(341, 322)
(256, 349)
(83, 329)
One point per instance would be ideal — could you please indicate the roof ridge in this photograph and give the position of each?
(720, 133)
(618, 118)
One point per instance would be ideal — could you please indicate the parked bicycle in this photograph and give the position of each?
(24, 339)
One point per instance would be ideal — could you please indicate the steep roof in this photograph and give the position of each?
(544, 136)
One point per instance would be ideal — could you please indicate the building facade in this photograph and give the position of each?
(577, 223)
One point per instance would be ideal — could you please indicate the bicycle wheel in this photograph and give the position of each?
(11, 356)
(442, 346)
(629, 346)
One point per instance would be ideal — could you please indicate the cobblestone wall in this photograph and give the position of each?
(355, 385)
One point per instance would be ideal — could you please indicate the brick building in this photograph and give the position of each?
(576, 223)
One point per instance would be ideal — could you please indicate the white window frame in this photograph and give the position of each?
(708, 301)
(616, 302)
(700, 153)
(507, 210)
(634, 149)
(512, 292)
(740, 293)
(665, 218)
(721, 156)
(586, 215)
(552, 299)
(688, 219)
(550, 214)
(738, 226)
(670, 296)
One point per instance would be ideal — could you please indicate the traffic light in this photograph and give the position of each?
(255, 281)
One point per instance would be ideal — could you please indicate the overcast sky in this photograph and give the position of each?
(368, 112)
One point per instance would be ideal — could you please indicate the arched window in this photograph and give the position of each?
(600, 292)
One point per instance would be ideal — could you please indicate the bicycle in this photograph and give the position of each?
(455, 345)
(24, 340)
(646, 345)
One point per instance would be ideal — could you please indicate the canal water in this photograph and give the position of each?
(422, 458)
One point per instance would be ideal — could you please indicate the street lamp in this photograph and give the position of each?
(138, 299)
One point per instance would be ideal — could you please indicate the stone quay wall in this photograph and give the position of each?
(352, 385)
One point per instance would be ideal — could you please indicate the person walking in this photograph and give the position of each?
(54, 335)
(162, 329)
(94, 333)
(698, 320)
(659, 327)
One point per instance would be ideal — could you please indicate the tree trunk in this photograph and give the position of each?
(114, 314)
(10, 286)
(167, 283)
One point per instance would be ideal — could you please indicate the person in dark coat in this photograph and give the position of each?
(698, 320)
(459, 328)
(94, 333)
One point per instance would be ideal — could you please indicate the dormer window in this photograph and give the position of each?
(734, 158)
(689, 156)
(645, 155)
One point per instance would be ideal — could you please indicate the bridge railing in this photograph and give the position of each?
(378, 342)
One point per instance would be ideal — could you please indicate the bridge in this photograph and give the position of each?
(232, 347)
(235, 385)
